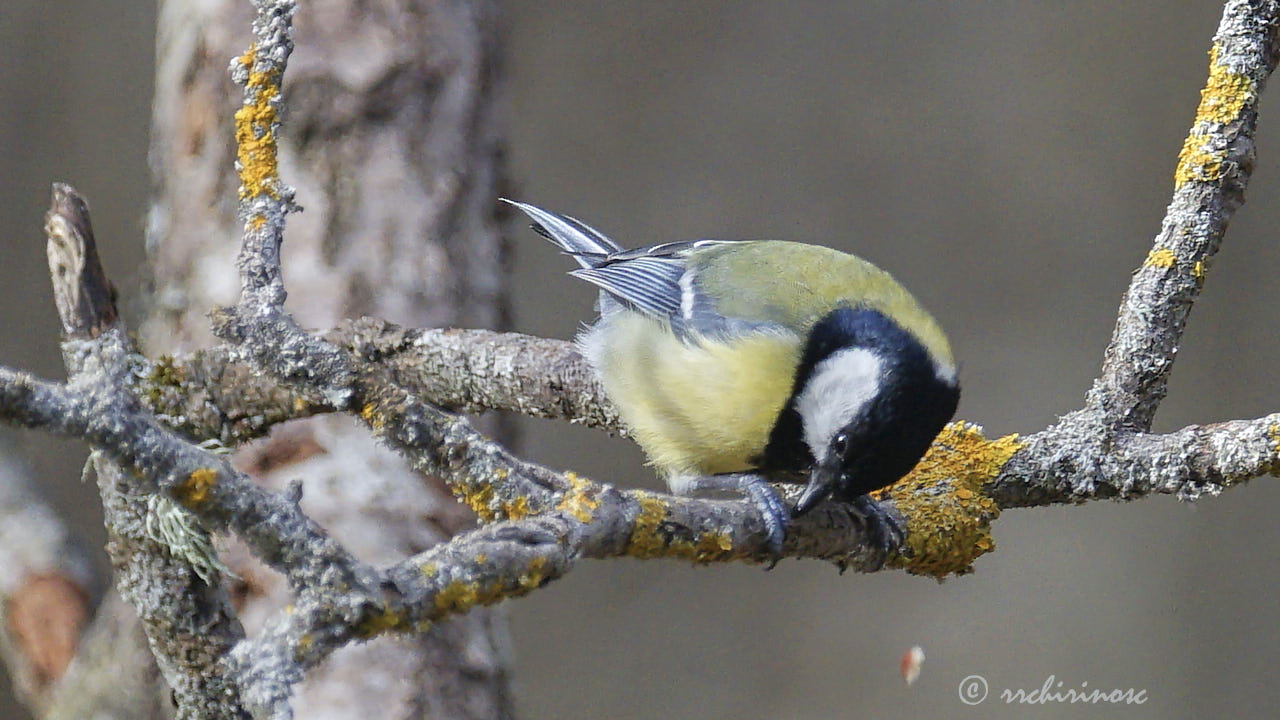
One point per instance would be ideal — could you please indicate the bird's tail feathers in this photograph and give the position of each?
(588, 246)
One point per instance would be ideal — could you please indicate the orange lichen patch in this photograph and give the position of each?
(382, 621)
(648, 540)
(516, 509)
(488, 505)
(1225, 94)
(948, 514)
(195, 488)
(1198, 271)
(534, 577)
(257, 222)
(372, 415)
(1223, 100)
(578, 501)
(710, 546)
(256, 120)
(460, 596)
(1161, 258)
(480, 498)
(1197, 161)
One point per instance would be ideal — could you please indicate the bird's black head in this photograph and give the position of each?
(867, 402)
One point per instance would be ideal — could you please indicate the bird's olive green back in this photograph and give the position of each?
(794, 285)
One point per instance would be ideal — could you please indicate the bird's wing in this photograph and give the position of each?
(650, 285)
(660, 282)
(586, 244)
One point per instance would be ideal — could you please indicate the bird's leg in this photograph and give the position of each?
(756, 489)
(882, 529)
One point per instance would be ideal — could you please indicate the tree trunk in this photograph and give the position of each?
(392, 141)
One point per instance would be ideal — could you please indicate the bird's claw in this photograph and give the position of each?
(776, 515)
(757, 491)
(882, 529)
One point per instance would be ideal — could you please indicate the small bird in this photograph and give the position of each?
(734, 363)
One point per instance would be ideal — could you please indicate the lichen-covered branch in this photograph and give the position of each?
(1213, 169)
(478, 568)
(473, 370)
(209, 394)
(190, 624)
(396, 165)
(408, 385)
(1070, 464)
(215, 394)
(257, 326)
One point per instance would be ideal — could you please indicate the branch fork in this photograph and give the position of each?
(408, 385)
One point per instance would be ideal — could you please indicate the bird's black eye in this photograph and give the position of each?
(840, 444)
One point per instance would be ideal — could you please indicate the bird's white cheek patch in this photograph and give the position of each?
(837, 390)
(945, 372)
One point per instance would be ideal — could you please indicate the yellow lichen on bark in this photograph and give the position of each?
(711, 546)
(577, 502)
(488, 505)
(480, 498)
(380, 622)
(1197, 161)
(649, 541)
(1161, 258)
(256, 156)
(534, 576)
(948, 514)
(195, 488)
(460, 596)
(1197, 271)
(1226, 93)
(646, 541)
(1225, 96)
(516, 509)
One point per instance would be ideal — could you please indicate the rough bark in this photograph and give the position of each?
(539, 523)
(393, 143)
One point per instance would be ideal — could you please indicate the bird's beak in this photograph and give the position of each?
(822, 481)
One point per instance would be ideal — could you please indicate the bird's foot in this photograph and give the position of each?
(760, 494)
(882, 529)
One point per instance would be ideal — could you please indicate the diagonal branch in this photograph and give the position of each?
(1213, 168)
(540, 522)
(189, 624)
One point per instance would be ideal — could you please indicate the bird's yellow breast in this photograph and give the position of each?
(704, 405)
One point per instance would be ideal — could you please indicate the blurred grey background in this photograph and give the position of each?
(1009, 162)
